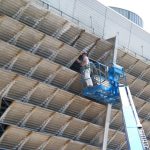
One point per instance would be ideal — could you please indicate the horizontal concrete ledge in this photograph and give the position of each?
(28, 139)
(51, 122)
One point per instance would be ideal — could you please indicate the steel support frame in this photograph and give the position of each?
(19, 13)
(46, 122)
(26, 97)
(33, 69)
(2, 118)
(54, 55)
(43, 145)
(26, 117)
(69, 83)
(79, 134)
(14, 39)
(37, 45)
(64, 127)
(132, 66)
(66, 106)
(82, 112)
(115, 49)
(65, 27)
(23, 142)
(109, 107)
(5, 90)
(74, 40)
(142, 90)
(144, 72)
(51, 77)
(41, 19)
(11, 63)
(47, 101)
(107, 122)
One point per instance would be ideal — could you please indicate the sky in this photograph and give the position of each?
(140, 7)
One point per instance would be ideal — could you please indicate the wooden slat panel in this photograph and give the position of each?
(34, 117)
(8, 141)
(27, 139)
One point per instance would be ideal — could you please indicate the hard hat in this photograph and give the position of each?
(84, 51)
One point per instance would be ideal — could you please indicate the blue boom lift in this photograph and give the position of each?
(110, 88)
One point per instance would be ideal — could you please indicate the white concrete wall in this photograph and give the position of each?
(106, 23)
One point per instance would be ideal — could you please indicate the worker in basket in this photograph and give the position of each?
(85, 68)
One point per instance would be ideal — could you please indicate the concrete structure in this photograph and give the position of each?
(41, 104)
(129, 15)
(104, 22)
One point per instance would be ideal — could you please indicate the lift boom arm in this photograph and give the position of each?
(134, 130)
(111, 94)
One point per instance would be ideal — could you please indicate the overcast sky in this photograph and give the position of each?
(140, 7)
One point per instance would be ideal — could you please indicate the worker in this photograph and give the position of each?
(85, 69)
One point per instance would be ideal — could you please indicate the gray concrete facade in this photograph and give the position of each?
(104, 22)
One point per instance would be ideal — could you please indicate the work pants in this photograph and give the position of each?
(86, 77)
